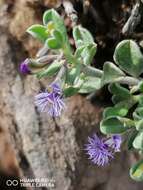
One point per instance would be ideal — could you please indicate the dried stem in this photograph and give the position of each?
(134, 19)
(70, 11)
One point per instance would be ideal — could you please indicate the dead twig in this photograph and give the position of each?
(70, 11)
(134, 19)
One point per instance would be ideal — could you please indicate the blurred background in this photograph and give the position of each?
(33, 145)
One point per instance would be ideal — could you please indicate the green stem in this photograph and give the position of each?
(68, 54)
(127, 122)
(128, 80)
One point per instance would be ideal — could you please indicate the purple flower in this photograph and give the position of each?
(24, 67)
(52, 101)
(114, 142)
(101, 150)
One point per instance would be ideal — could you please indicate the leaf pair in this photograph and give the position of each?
(128, 57)
(114, 120)
(53, 32)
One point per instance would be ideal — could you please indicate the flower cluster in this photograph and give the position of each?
(51, 101)
(101, 150)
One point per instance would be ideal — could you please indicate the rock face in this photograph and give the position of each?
(34, 145)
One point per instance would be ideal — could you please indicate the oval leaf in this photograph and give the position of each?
(83, 35)
(112, 126)
(52, 15)
(136, 172)
(114, 111)
(110, 73)
(138, 141)
(131, 138)
(129, 57)
(51, 70)
(90, 85)
(38, 31)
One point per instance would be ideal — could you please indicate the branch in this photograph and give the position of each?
(70, 11)
(128, 80)
(134, 19)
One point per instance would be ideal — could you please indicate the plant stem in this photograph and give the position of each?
(60, 73)
(128, 80)
(127, 122)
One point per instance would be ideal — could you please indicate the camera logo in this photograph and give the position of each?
(11, 182)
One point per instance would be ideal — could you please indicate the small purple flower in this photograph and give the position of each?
(114, 142)
(52, 101)
(98, 151)
(101, 150)
(24, 67)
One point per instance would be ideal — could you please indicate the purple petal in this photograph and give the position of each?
(24, 67)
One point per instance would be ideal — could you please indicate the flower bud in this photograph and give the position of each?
(24, 67)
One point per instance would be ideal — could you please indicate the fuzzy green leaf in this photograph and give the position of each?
(138, 117)
(119, 93)
(111, 73)
(129, 57)
(38, 31)
(114, 111)
(131, 138)
(138, 141)
(51, 70)
(136, 172)
(82, 36)
(112, 126)
(70, 91)
(86, 53)
(91, 84)
(52, 15)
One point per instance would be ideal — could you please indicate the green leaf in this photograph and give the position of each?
(52, 15)
(57, 35)
(56, 41)
(112, 126)
(38, 31)
(119, 93)
(138, 141)
(82, 36)
(117, 89)
(141, 86)
(91, 84)
(111, 73)
(73, 74)
(47, 17)
(136, 172)
(141, 101)
(114, 111)
(52, 43)
(129, 57)
(131, 138)
(86, 53)
(51, 70)
(70, 91)
(138, 114)
(138, 117)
